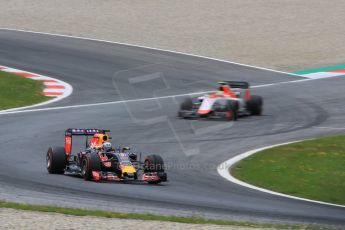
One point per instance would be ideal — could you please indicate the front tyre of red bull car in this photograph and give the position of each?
(154, 170)
(91, 167)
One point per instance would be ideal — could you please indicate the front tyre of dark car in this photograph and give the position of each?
(90, 162)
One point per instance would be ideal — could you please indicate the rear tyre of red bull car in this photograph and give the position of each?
(56, 160)
(91, 163)
(154, 169)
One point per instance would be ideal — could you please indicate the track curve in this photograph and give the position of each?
(100, 72)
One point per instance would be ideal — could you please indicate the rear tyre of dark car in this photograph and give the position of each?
(254, 105)
(56, 160)
(90, 163)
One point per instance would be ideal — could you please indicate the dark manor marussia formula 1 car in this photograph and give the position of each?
(232, 100)
(96, 163)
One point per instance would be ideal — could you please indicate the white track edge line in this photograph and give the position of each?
(151, 48)
(223, 170)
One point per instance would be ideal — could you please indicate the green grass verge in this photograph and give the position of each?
(151, 217)
(313, 169)
(16, 91)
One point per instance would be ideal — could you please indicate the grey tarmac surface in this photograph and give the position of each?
(101, 72)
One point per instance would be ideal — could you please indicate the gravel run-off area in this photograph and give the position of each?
(15, 219)
(284, 35)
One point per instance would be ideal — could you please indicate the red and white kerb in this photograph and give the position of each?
(52, 87)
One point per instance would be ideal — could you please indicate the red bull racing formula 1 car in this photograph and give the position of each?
(100, 161)
(232, 100)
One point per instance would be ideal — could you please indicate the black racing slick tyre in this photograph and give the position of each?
(56, 160)
(115, 165)
(153, 163)
(90, 162)
(187, 104)
(232, 110)
(254, 105)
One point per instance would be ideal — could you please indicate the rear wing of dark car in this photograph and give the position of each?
(84, 132)
(80, 132)
(236, 84)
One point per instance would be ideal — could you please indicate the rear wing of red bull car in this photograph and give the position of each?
(69, 133)
(85, 132)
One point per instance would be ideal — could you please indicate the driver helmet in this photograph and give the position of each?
(106, 146)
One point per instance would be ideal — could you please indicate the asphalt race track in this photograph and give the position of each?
(192, 150)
